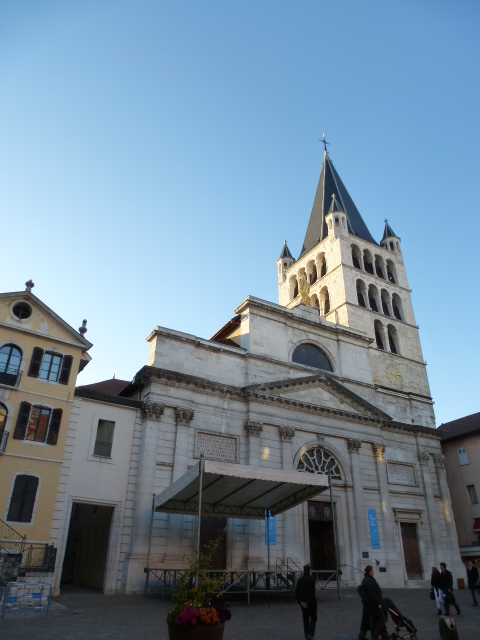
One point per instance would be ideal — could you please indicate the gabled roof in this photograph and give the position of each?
(461, 428)
(388, 232)
(286, 252)
(328, 185)
(30, 297)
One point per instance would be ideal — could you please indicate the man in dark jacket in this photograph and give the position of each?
(306, 598)
(472, 578)
(372, 600)
(447, 587)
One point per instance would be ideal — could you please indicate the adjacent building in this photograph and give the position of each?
(40, 356)
(461, 449)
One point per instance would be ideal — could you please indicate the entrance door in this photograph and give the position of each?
(210, 529)
(322, 541)
(411, 552)
(87, 545)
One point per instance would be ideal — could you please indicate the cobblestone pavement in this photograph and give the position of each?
(86, 615)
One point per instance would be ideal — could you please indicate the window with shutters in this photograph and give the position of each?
(10, 360)
(50, 366)
(22, 500)
(104, 439)
(3, 424)
(37, 423)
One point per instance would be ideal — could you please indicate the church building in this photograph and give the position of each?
(332, 381)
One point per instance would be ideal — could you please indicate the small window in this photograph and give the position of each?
(22, 311)
(23, 499)
(473, 493)
(50, 366)
(311, 356)
(378, 327)
(3, 424)
(10, 360)
(37, 423)
(462, 454)
(104, 439)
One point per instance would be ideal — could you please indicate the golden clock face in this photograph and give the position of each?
(393, 375)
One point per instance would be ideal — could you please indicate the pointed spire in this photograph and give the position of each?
(330, 183)
(286, 252)
(388, 232)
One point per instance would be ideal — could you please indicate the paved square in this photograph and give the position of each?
(91, 616)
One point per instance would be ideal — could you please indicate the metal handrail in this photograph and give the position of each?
(9, 539)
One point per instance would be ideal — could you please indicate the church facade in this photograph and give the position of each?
(331, 380)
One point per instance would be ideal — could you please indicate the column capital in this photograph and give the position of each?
(378, 449)
(152, 411)
(286, 434)
(438, 460)
(253, 428)
(423, 457)
(354, 445)
(184, 417)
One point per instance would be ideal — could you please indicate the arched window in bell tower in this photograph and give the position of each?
(378, 326)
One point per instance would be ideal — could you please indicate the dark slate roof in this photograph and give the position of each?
(329, 184)
(388, 232)
(286, 252)
(111, 387)
(461, 428)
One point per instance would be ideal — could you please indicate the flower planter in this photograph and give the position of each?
(196, 631)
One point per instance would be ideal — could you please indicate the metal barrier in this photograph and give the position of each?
(240, 582)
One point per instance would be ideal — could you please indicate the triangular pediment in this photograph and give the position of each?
(41, 320)
(321, 391)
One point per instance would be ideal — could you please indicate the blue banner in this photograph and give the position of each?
(271, 537)
(374, 535)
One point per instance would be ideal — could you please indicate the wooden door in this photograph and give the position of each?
(211, 528)
(411, 552)
(322, 545)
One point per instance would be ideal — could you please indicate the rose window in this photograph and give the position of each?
(318, 460)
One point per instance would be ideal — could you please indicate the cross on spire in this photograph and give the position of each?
(324, 143)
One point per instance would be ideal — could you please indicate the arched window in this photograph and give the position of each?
(392, 339)
(295, 288)
(10, 359)
(373, 298)
(379, 335)
(385, 302)
(315, 301)
(311, 356)
(379, 267)
(317, 460)
(391, 274)
(367, 262)
(23, 499)
(323, 266)
(356, 257)
(313, 274)
(397, 306)
(361, 294)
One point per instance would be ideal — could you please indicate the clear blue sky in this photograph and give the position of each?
(156, 154)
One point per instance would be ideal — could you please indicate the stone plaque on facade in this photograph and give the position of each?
(401, 473)
(216, 447)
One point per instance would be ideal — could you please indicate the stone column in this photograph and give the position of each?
(424, 460)
(255, 557)
(292, 542)
(359, 517)
(456, 565)
(181, 529)
(391, 558)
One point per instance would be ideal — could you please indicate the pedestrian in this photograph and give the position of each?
(437, 584)
(365, 621)
(447, 587)
(472, 578)
(371, 595)
(306, 598)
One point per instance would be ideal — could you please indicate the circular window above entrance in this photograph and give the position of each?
(22, 310)
(317, 460)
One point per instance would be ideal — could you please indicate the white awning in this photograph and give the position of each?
(239, 491)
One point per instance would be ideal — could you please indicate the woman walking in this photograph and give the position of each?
(437, 583)
(472, 577)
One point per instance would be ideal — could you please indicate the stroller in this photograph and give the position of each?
(400, 621)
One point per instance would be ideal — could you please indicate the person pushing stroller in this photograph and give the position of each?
(374, 607)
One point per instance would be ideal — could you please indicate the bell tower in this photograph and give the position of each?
(354, 280)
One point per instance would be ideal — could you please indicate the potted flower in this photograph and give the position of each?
(199, 612)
